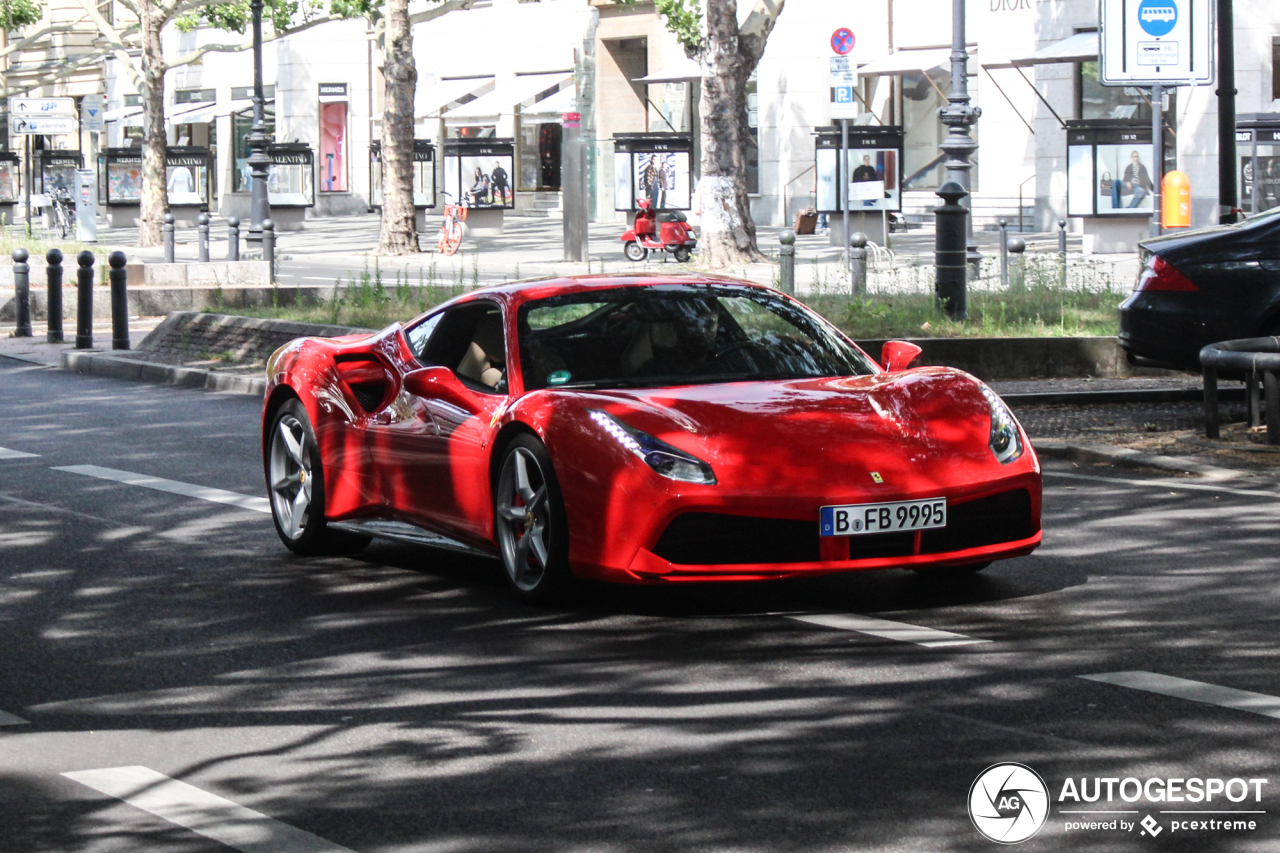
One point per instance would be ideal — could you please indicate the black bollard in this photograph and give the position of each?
(202, 238)
(858, 262)
(168, 239)
(53, 279)
(119, 301)
(1004, 253)
(84, 300)
(1062, 253)
(951, 283)
(22, 291)
(233, 238)
(269, 247)
(1017, 264)
(787, 262)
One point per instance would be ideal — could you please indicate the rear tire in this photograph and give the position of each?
(530, 524)
(635, 252)
(295, 483)
(683, 254)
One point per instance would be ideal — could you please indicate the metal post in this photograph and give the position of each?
(787, 262)
(202, 238)
(84, 300)
(53, 290)
(233, 238)
(119, 301)
(27, 138)
(842, 191)
(1228, 194)
(1004, 253)
(1211, 429)
(573, 157)
(858, 263)
(22, 290)
(951, 257)
(1062, 253)
(259, 160)
(168, 238)
(1271, 390)
(1157, 145)
(1017, 264)
(958, 116)
(1255, 404)
(269, 246)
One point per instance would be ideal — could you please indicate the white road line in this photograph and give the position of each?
(11, 720)
(1195, 691)
(202, 812)
(887, 630)
(1171, 485)
(6, 453)
(175, 487)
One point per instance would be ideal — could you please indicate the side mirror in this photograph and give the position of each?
(438, 383)
(898, 355)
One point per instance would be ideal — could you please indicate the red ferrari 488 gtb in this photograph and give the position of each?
(643, 429)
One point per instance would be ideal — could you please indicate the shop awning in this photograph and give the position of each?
(1081, 47)
(431, 101)
(682, 71)
(508, 94)
(909, 61)
(564, 101)
(121, 112)
(206, 113)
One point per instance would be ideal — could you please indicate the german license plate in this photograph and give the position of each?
(861, 519)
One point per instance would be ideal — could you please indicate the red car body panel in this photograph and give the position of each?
(780, 450)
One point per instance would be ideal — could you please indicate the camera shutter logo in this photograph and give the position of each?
(1008, 803)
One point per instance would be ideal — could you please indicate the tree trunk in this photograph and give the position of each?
(728, 233)
(399, 234)
(154, 197)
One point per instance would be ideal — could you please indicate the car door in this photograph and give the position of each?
(432, 452)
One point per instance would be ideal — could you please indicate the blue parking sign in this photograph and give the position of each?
(844, 94)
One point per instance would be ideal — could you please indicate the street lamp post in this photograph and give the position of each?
(958, 117)
(259, 161)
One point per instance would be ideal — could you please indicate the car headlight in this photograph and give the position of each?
(657, 454)
(1005, 442)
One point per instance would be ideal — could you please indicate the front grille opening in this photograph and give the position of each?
(713, 539)
(1005, 517)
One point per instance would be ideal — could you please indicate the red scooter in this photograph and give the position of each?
(663, 230)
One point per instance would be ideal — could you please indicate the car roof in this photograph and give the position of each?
(541, 288)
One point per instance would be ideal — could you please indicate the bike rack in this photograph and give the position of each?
(1249, 356)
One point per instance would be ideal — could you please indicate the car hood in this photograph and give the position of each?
(929, 424)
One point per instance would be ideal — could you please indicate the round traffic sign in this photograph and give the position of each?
(842, 41)
(1158, 17)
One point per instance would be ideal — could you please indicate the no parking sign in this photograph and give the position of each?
(842, 41)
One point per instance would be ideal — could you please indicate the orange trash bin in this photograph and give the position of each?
(1175, 200)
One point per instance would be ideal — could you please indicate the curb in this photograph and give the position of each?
(1137, 395)
(1124, 457)
(133, 369)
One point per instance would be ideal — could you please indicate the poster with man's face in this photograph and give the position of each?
(1123, 179)
(867, 166)
(663, 177)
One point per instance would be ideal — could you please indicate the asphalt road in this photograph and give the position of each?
(401, 701)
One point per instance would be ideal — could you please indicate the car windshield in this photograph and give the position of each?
(632, 337)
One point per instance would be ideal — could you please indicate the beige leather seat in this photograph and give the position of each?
(486, 357)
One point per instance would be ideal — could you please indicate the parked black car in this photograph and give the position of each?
(1200, 287)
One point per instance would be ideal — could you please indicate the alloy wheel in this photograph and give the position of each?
(290, 476)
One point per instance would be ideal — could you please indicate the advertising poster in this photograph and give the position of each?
(866, 166)
(1267, 178)
(124, 182)
(1123, 179)
(663, 177)
(623, 189)
(1080, 188)
(485, 180)
(8, 182)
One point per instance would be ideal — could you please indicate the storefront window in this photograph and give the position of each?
(333, 148)
(481, 131)
(241, 126)
(540, 155)
(753, 140)
(1275, 68)
(923, 94)
(1129, 103)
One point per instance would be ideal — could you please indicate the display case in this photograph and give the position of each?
(480, 172)
(1109, 168)
(291, 176)
(188, 183)
(873, 168)
(189, 176)
(656, 166)
(10, 177)
(57, 169)
(424, 174)
(1258, 157)
(120, 177)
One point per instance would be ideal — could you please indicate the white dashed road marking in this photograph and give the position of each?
(172, 486)
(11, 720)
(202, 812)
(888, 630)
(6, 453)
(1196, 691)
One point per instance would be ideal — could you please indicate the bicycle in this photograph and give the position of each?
(451, 228)
(63, 209)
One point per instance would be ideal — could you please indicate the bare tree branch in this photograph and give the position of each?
(755, 30)
(199, 52)
(59, 72)
(26, 40)
(436, 11)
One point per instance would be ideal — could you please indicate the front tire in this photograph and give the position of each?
(295, 482)
(683, 254)
(530, 525)
(635, 252)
